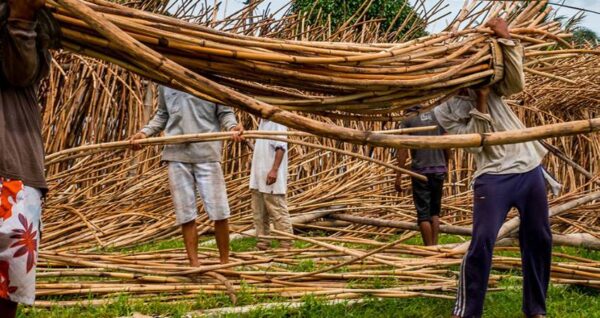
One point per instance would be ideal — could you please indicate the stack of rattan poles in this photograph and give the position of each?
(380, 270)
(314, 76)
(365, 79)
(267, 77)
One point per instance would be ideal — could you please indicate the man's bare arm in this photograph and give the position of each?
(272, 176)
(481, 103)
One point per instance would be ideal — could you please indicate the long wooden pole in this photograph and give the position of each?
(576, 240)
(90, 149)
(513, 224)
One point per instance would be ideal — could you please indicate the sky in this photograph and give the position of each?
(591, 21)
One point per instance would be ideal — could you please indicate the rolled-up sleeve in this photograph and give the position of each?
(22, 63)
(160, 119)
(458, 116)
(513, 80)
(226, 117)
(277, 144)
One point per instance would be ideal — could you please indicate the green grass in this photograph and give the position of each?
(505, 304)
(238, 245)
(579, 252)
(243, 245)
(120, 307)
(563, 302)
(152, 246)
(301, 244)
(376, 283)
(307, 265)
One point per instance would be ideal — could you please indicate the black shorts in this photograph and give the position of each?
(427, 195)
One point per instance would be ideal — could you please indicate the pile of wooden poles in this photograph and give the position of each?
(269, 77)
(107, 205)
(376, 268)
(320, 77)
(317, 77)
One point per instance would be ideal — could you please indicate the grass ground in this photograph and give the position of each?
(563, 301)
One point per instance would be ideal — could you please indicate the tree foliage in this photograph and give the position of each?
(340, 11)
(583, 35)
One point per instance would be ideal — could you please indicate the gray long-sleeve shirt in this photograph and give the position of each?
(180, 113)
(22, 66)
(458, 115)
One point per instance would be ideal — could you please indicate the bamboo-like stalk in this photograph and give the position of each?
(513, 224)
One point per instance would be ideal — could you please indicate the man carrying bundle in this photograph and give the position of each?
(195, 167)
(24, 62)
(268, 182)
(432, 163)
(507, 176)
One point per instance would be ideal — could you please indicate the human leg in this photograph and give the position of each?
(492, 201)
(211, 187)
(277, 207)
(261, 219)
(426, 232)
(535, 240)
(435, 229)
(190, 240)
(222, 238)
(421, 199)
(182, 185)
(436, 186)
(8, 308)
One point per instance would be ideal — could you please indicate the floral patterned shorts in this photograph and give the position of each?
(20, 211)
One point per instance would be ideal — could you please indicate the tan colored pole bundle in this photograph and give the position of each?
(393, 82)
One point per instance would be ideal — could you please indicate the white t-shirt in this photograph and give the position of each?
(263, 158)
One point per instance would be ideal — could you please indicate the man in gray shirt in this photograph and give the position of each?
(432, 163)
(507, 176)
(194, 167)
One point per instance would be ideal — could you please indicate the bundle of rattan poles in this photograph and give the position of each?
(311, 77)
(317, 76)
(267, 77)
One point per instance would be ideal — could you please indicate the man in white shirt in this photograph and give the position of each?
(268, 182)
